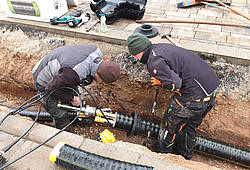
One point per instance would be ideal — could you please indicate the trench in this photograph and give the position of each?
(228, 122)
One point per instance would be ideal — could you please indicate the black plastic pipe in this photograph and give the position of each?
(76, 159)
(134, 125)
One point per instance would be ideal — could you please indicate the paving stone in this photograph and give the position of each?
(235, 46)
(239, 39)
(230, 21)
(154, 11)
(121, 23)
(197, 17)
(165, 30)
(210, 12)
(182, 33)
(216, 28)
(40, 133)
(233, 16)
(133, 26)
(180, 15)
(199, 46)
(191, 10)
(239, 1)
(220, 37)
(150, 16)
(14, 125)
(173, 2)
(157, 6)
(245, 54)
(7, 139)
(229, 51)
(170, 7)
(39, 159)
(110, 151)
(236, 30)
(158, 164)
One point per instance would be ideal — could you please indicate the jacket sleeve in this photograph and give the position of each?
(66, 77)
(161, 71)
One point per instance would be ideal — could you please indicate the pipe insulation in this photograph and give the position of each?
(134, 125)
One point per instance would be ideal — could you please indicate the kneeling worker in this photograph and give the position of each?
(70, 66)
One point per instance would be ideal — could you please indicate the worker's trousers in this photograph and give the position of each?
(60, 116)
(177, 131)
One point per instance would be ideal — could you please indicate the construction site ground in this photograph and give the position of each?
(227, 49)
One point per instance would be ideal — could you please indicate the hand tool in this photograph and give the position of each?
(169, 38)
(85, 19)
(91, 24)
(230, 8)
(71, 21)
(215, 6)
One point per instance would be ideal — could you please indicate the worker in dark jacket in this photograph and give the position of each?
(194, 83)
(70, 66)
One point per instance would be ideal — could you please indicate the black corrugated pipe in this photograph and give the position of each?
(223, 150)
(76, 159)
(134, 125)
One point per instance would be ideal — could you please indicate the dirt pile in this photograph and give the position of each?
(228, 122)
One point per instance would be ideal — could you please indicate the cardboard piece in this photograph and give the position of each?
(38, 10)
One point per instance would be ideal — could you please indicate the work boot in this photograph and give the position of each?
(185, 142)
(159, 147)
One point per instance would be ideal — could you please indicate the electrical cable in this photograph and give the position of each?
(14, 142)
(78, 114)
(22, 106)
(97, 106)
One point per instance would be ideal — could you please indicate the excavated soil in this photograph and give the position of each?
(228, 122)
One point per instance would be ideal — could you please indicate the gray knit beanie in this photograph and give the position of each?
(137, 43)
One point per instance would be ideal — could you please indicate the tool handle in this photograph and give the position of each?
(215, 6)
(91, 25)
(235, 11)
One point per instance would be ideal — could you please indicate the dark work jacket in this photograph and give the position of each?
(180, 69)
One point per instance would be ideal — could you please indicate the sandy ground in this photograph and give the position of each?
(228, 122)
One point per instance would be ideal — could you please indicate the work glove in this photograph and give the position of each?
(155, 82)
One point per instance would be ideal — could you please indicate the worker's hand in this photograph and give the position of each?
(76, 101)
(155, 82)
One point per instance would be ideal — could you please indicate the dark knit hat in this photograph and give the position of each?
(109, 71)
(137, 43)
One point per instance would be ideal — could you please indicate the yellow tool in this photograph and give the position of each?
(106, 137)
